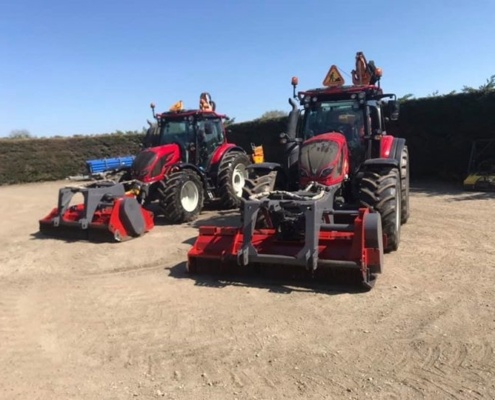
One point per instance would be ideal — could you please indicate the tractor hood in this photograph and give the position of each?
(150, 164)
(323, 159)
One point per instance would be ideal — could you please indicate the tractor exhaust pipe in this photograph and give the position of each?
(293, 118)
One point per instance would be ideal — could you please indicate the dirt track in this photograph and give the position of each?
(124, 321)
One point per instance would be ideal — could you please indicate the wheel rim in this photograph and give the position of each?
(239, 178)
(189, 196)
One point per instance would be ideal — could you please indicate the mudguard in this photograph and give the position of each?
(392, 147)
(270, 166)
(380, 162)
(397, 147)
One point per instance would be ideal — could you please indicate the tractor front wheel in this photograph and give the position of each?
(181, 196)
(232, 176)
(381, 190)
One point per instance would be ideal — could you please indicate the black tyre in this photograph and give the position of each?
(181, 196)
(380, 190)
(232, 176)
(404, 178)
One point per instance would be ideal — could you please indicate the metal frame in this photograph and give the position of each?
(475, 154)
(93, 196)
(314, 206)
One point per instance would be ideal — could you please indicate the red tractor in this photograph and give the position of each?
(339, 194)
(186, 160)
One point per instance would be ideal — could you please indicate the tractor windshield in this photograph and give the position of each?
(184, 130)
(334, 116)
(176, 131)
(205, 133)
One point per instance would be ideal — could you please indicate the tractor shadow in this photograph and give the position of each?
(455, 191)
(272, 280)
(218, 218)
(74, 236)
(207, 217)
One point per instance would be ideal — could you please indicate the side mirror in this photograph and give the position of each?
(393, 109)
(284, 138)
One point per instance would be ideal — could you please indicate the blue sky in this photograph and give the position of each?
(88, 67)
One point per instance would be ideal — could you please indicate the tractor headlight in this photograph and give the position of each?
(326, 172)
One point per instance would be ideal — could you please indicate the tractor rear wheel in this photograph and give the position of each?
(232, 176)
(404, 179)
(380, 190)
(181, 196)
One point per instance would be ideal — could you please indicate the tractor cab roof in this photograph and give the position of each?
(342, 92)
(190, 113)
(206, 110)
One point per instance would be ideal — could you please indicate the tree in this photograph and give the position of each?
(486, 87)
(20, 134)
(406, 97)
(273, 114)
(229, 121)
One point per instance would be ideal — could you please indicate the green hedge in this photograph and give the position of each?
(438, 130)
(34, 160)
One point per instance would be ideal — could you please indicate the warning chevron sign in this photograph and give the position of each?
(333, 77)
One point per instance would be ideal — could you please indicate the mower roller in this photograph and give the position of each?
(108, 212)
(338, 196)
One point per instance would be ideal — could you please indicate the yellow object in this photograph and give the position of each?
(471, 180)
(347, 118)
(133, 191)
(482, 182)
(205, 103)
(333, 77)
(258, 154)
(179, 106)
(363, 74)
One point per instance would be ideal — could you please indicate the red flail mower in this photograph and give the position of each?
(108, 212)
(338, 197)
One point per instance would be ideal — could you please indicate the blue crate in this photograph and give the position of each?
(108, 164)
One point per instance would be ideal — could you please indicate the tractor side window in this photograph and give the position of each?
(210, 136)
(375, 120)
(216, 130)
